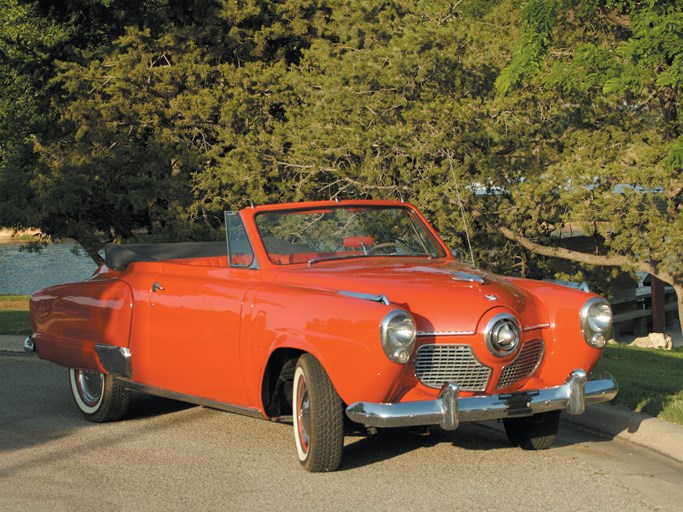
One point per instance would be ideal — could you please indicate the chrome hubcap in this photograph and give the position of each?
(89, 386)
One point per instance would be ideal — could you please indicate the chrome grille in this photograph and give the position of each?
(436, 364)
(524, 364)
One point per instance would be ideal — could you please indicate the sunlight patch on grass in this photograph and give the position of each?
(14, 302)
(650, 381)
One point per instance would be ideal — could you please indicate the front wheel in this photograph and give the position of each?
(99, 397)
(536, 432)
(318, 417)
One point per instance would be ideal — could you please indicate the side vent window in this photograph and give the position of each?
(240, 253)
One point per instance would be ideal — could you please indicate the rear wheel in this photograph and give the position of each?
(536, 432)
(318, 417)
(99, 397)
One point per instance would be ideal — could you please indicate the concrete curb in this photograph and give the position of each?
(617, 422)
(605, 419)
(12, 343)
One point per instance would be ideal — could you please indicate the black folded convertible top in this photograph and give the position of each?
(119, 256)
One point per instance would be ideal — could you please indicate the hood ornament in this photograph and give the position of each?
(467, 277)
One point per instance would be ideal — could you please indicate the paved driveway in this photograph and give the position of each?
(169, 456)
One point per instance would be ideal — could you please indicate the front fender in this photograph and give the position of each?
(566, 348)
(342, 333)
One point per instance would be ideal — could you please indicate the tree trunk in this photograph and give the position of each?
(678, 288)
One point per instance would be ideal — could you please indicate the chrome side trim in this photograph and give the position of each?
(467, 277)
(445, 333)
(472, 333)
(367, 296)
(164, 393)
(448, 410)
(535, 327)
(115, 360)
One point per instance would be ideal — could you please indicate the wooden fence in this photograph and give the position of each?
(633, 310)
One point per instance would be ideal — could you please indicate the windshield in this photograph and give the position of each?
(301, 236)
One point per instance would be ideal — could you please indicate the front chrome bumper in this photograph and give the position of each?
(448, 410)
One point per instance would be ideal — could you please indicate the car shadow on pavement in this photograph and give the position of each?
(147, 406)
(361, 451)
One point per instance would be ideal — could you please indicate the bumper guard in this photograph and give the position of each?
(448, 410)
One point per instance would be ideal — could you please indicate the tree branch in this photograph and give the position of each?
(568, 254)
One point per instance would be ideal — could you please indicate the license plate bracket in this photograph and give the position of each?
(518, 405)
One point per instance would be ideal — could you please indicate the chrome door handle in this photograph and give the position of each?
(156, 287)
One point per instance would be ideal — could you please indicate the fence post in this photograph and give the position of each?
(658, 312)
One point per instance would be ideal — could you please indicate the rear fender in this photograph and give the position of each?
(68, 321)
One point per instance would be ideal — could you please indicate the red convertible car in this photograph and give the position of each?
(334, 315)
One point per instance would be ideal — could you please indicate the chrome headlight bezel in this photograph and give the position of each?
(398, 333)
(503, 335)
(596, 321)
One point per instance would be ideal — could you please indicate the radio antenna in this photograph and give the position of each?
(462, 207)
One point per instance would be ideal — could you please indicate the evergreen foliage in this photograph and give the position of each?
(124, 119)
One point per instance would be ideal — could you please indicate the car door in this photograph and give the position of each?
(195, 318)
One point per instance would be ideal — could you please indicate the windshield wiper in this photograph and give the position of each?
(337, 257)
(354, 256)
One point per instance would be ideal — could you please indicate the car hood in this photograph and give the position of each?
(444, 296)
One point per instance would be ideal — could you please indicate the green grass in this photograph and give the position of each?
(15, 322)
(14, 315)
(650, 381)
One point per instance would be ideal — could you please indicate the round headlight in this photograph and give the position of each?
(596, 321)
(502, 334)
(398, 335)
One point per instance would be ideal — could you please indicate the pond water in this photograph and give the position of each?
(23, 273)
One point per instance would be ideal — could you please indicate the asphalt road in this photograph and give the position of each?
(169, 456)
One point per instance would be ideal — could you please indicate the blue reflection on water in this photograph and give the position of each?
(23, 273)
